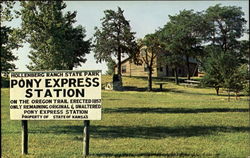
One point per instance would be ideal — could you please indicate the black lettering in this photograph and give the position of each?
(37, 82)
(56, 82)
(29, 83)
(47, 83)
(80, 82)
(12, 83)
(72, 81)
(64, 81)
(96, 82)
(38, 92)
(57, 92)
(21, 83)
(70, 93)
(48, 93)
(88, 80)
(28, 93)
(78, 92)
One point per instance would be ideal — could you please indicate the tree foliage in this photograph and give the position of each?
(173, 55)
(212, 67)
(223, 69)
(225, 24)
(240, 80)
(184, 35)
(114, 37)
(7, 56)
(111, 67)
(56, 44)
(9, 36)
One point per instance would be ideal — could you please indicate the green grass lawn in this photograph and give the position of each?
(178, 122)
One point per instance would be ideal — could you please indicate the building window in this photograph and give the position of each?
(124, 69)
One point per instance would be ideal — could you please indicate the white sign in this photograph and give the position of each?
(55, 95)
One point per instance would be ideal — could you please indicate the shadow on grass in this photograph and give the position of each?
(232, 95)
(165, 89)
(156, 132)
(147, 155)
(133, 88)
(170, 110)
(174, 90)
(142, 89)
(188, 92)
(113, 99)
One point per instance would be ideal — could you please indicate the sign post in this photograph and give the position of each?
(86, 138)
(24, 137)
(55, 95)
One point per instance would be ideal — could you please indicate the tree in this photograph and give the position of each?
(172, 54)
(212, 66)
(55, 43)
(225, 52)
(150, 51)
(223, 70)
(225, 24)
(186, 34)
(240, 79)
(176, 61)
(114, 38)
(111, 67)
(9, 38)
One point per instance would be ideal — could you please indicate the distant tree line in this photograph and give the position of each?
(212, 37)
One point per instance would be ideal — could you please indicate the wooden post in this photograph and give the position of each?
(86, 138)
(24, 137)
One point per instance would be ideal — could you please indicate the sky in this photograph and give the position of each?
(145, 17)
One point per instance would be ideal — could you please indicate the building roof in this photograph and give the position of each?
(124, 60)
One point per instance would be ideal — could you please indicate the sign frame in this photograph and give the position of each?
(72, 80)
(55, 95)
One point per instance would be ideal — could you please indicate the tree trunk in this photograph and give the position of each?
(237, 95)
(149, 79)
(188, 67)
(176, 76)
(119, 64)
(217, 90)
